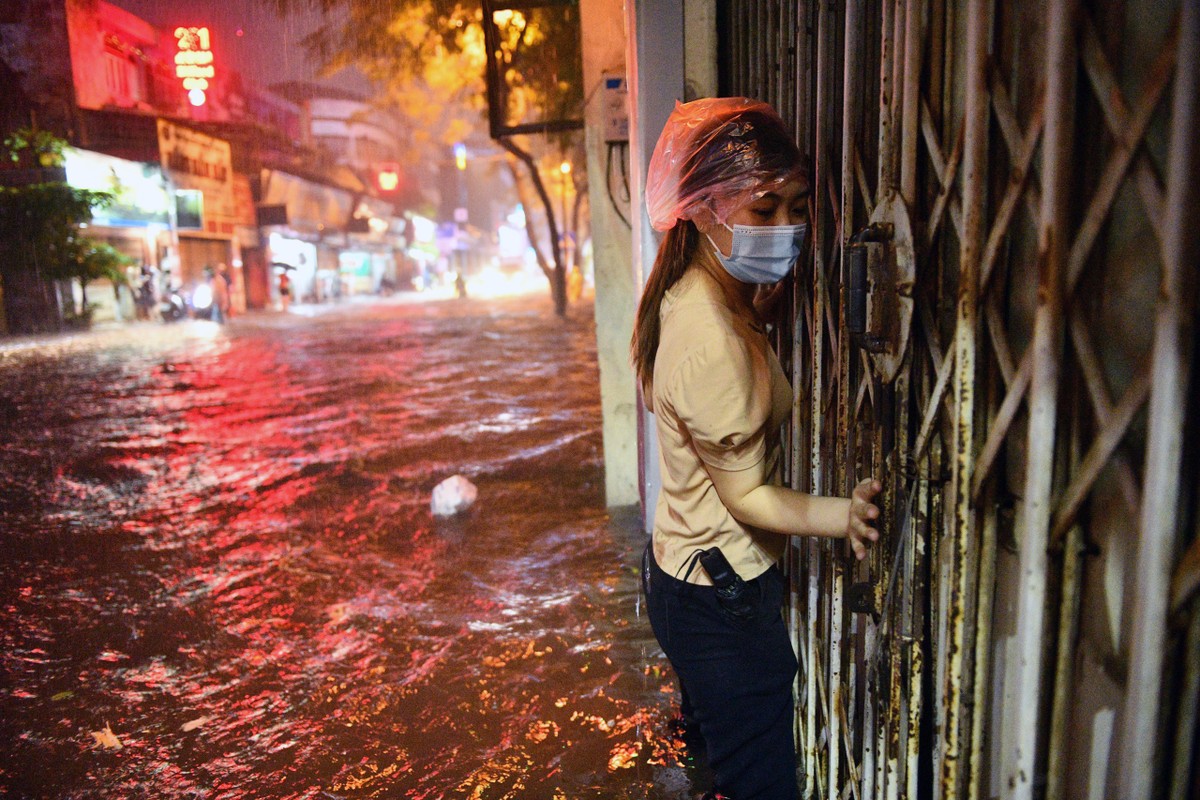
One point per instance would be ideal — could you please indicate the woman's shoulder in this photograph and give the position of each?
(701, 343)
(695, 299)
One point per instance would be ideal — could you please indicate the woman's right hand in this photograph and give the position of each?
(860, 528)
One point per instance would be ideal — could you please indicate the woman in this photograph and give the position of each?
(728, 186)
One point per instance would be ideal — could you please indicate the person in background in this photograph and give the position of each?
(729, 187)
(223, 294)
(144, 292)
(220, 294)
(285, 291)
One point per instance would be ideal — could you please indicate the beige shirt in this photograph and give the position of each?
(719, 397)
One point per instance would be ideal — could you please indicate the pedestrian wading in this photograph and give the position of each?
(729, 187)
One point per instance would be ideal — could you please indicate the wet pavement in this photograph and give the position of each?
(220, 577)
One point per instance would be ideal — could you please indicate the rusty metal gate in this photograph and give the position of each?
(999, 320)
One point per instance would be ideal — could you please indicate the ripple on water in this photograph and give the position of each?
(230, 561)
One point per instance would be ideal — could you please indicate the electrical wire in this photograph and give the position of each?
(608, 181)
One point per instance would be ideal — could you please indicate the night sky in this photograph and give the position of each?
(264, 47)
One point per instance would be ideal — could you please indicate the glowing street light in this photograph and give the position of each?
(565, 169)
(387, 178)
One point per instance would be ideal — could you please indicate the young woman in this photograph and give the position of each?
(729, 187)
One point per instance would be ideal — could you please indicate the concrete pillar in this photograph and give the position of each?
(656, 83)
(616, 292)
(672, 57)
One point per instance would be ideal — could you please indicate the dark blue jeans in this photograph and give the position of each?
(737, 675)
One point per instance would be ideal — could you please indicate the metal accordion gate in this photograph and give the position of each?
(998, 320)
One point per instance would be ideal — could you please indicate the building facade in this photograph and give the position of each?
(116, 87)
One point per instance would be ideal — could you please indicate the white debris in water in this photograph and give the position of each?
(452, 496)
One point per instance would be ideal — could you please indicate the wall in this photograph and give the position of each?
(672, 58)
(604, 52)
(87, 53)
(34, 46)
(700, 48)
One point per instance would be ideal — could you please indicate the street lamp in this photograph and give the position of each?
(565, 170)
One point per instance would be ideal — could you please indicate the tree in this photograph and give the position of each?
(40, 216)
(90, 261)
(427, 59)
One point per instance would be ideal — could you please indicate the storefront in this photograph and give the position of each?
(305, 226)
(200, 171)
(136, 223)
(422, 252)
(368, 262)
(295, 258)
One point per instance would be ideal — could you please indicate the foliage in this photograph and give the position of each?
(88, 261)
(540, 65)
(41, 222)
(41, 242)
(427, 59)
(43, 146)
(93, 261)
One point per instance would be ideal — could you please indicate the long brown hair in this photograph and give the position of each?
(674, 255)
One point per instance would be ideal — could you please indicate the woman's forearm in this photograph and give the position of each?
(753, 502)
(783, 510)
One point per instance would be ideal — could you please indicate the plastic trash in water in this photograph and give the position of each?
(452, 496)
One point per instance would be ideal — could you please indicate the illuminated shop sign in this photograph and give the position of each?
(194, 62)
(197, 162)
(139, 193)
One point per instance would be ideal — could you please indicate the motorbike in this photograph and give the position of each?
(196, 303)
(201, 302)
(173, 307)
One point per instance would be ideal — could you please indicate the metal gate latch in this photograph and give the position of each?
(880, 275)
(870, 288)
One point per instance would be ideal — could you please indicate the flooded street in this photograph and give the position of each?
(218, 552)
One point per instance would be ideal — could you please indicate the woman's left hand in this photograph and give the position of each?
(860, 529)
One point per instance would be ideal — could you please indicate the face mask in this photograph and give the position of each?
(762, 254)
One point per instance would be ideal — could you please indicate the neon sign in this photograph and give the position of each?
(194, 62)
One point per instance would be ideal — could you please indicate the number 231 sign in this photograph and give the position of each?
(194, 62)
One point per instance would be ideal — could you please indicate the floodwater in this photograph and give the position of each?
(221, 577)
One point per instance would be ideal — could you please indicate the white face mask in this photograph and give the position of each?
(762, 253)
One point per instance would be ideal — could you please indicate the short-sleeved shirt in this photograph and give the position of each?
(719, 398)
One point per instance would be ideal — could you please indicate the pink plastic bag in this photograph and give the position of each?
(714, 156)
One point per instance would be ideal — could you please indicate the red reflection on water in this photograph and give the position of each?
(266, 601)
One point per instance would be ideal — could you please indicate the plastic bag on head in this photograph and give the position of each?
(714, 156)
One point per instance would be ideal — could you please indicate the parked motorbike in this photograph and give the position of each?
(196, 302)
(173, 307)
(201, 302)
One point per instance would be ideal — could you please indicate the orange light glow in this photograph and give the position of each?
(388, 178)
